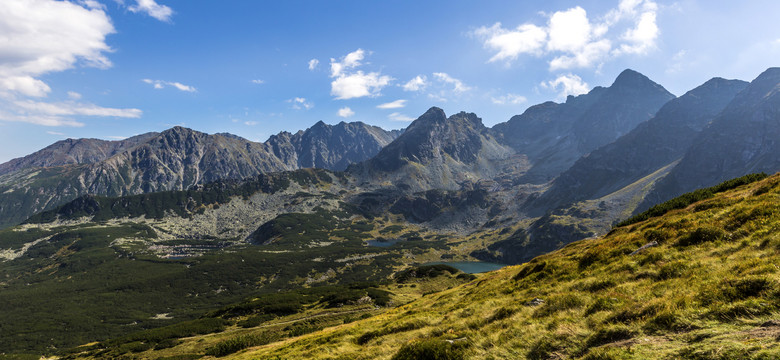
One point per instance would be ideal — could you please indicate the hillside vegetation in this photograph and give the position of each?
(696, 283)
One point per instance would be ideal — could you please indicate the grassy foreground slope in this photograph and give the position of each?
(709, 289)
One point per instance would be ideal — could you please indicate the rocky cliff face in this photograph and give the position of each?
(172, 160)
(649, 147)
(332, 147)
(437, 152)
(554, 136)
(74, 152)
(743, 139)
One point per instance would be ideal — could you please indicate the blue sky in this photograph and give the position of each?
(111, 69)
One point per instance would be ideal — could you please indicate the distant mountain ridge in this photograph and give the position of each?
(438, 152)
(647, 148)
(174, 159)
(742, 139)
(554, 136)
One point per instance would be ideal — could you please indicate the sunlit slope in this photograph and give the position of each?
(708, 289)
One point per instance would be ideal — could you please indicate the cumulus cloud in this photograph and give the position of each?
(313, 64)
(350, 83)
(258, 81)
(396, 116)
(346, 112)
(153, 9)
(566, 85)
(508, 44)
(574, 40)
(458, 86)
(161, 84)
(299, 103)
(418, 83)
(508, 99)
(44, 36)
(47, 36)
(392, 105)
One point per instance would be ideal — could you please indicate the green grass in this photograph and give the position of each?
(702, 293)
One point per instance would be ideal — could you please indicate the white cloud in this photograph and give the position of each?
(250, 123)
(569, 30)
(418, 83)
(358, 85)
(25, 85)
(510, 99)
(313, 64)
(153, 9)
(44, 36)
(74, 95)
(573, 40)
(300, 103)
(566, 85)
(349, 61)
(525, 39)
(115, 137)
(55, 133)
(641, 38)
(72, 108)
(392, 105)
(348, 84)
(92, 4)
(588, 56)
(258, 81)
(459, 86)
(160, 84)
(346, 112)
(399, 117)
(58, 114)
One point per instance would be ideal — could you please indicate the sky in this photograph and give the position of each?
(111, 69)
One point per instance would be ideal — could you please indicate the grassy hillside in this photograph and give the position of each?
(701, 282)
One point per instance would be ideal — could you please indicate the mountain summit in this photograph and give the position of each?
(554, 136)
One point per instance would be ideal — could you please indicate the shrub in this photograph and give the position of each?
(501, 314)
(667, 321)
(609, 335)
(672, 270)
(529, 269)
(607, 354)
(432, 349)
(559, 303)
(601, 304)
(239, 343)
(598, 285)
(701, 235)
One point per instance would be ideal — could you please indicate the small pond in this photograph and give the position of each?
(383, 242)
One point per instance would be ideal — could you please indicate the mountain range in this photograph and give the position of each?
(218, 218)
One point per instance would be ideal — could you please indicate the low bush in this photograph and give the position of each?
(559, 303)
(432, 349)
(238, 343)
(702, 235)
(609, 335)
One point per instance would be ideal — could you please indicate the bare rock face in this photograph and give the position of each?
(647, 148)
(743, 139)
(437, 152)
(175, 159)
(554, 136)
(332, 147)
(74, 151)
